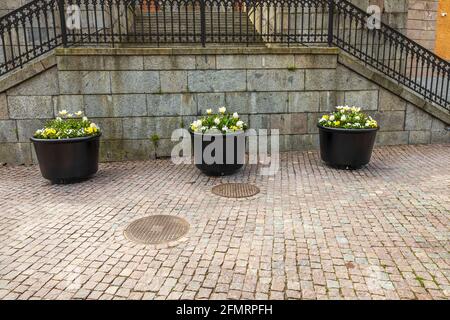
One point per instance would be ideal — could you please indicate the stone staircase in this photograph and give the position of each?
(184, 27)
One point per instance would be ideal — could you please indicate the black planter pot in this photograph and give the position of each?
(346, 148)
(67, 160)
(225, 153)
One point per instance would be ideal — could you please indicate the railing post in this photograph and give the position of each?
(330, 22)
(62, 16)
(203, 22)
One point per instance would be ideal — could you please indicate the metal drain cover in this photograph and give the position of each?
(158, 229)
(235, 190)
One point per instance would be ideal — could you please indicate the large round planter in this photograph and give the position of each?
(67, 160)
(349, 148)
(217, 154)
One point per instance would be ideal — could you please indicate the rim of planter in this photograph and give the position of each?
(235, 133)
(67, 140)
(344, 130)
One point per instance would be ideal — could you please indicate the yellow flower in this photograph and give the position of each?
(326, 117)
(337, 123)
(49, 131)
(89, 130)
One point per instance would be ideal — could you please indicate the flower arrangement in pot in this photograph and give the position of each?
(67, 148)
(219, 142)
(347, 137)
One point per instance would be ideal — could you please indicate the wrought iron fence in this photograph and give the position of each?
(43, 25)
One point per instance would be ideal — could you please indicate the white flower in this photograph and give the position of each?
(38, 132)
(199, 123)
(93, 125)
(235, 115)
(85, 118)
(209, 111)
(239, 124)
(343, 118)
(357, 118)
(217, 121)
(322, 120)
(58, 119)
(222, 110)
(69, 115)
(63, 112)
(225, 129)
(332, 117)
(78, 113)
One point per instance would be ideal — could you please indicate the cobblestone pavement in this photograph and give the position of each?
(312, 232)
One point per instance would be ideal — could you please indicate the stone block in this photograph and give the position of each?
(367, 100)
(320, 79)
(229, 61)
(440, 136)
(390, 120)
(138, 128)
(275, 80)
(124, 62)
(173, 81)
(209, 101)
(169, 62)
(129, 105)
(15, 153)
(43, 84)
(205, 62)
(285, 123)
(390, 102)
(84, 82)
(30, 107)
(419, 137)
(217, 80)
(164, 126)
(268, 102)
(81, 63)
(135, 82)
(416, 119)
(392, 138)
(171, 104)
(311, 61)
(111, 127)
(304, 101)
(27, 128)
(71, 103)
(239, 102)
(122, 150)
(330, 99)
(268, 61)
(3, 106)
(302, 142)
(313, 119)
(346, 79)
(8, 131)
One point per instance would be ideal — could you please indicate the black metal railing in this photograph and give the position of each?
(43, 25)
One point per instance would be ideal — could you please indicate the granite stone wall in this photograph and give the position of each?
(135, 93)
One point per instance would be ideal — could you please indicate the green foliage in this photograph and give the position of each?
(155, 139)
(348, 118)
(67, 127)
(222, 122)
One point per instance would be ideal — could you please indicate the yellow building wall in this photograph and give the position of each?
(443, 30)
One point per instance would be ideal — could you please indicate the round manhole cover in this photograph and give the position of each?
(235, 190)
(158, 229)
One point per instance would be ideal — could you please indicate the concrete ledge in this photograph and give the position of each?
(28, 71)
(192, 51)
(394, 87)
